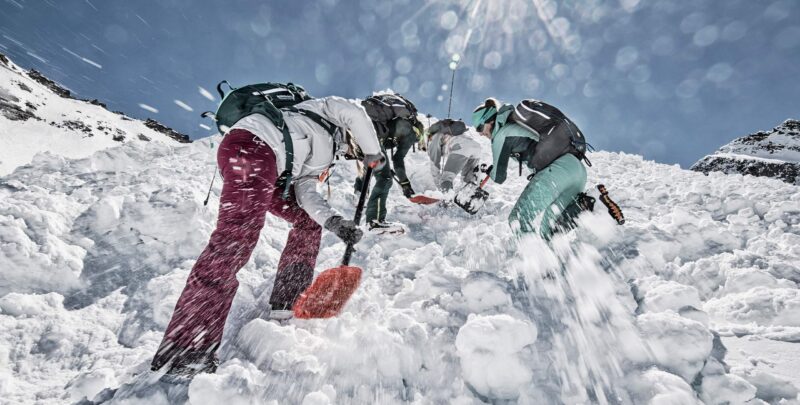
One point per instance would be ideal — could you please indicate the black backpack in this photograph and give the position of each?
(448, 126)
(386, 107)
(267, 99)
(541, 117)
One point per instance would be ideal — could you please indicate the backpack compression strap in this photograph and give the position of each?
(285, 178)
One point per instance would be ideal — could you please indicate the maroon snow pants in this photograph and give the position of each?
(249, 171)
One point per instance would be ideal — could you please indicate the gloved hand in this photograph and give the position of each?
(483, 168)
(375, 161)
(345, 229)
(407, 190)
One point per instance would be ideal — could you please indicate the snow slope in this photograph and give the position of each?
(774, 153)
(95, 251)
(37, 115)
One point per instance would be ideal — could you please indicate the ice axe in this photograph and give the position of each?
(329, 293)
(472, 200)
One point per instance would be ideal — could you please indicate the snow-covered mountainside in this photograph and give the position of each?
(769, 154)
(694, 299)
(38, 115)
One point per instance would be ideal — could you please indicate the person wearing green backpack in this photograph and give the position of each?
(550, 146)
(307, 137)
(395, 120)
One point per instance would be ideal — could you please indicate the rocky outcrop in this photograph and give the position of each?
(774, 153)
(159, 127)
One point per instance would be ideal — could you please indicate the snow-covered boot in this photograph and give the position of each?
(386, 228)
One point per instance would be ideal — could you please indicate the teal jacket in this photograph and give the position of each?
(509, 140)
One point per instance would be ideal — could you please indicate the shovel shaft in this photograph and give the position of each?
(348, 251)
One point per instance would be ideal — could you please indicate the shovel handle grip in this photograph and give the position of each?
(484, 181)
(348, 251)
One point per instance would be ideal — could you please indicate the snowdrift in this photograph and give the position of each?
(95, 251)
(39, 115)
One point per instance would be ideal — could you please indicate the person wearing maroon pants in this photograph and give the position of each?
(248, 158)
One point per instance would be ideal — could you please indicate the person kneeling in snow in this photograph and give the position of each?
(452, 151)
(249, 159)
(543, 139)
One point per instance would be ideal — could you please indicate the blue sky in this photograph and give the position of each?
(671, 80)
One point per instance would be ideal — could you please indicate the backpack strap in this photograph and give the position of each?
(328, 126)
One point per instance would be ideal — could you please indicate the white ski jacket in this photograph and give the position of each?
(314, 148)
(451, 155)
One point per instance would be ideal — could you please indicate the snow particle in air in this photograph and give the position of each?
(427, 89)
(206, 127)
(719, 73)
(640, 74)
(403, 65)
(183, 105)
(322, 73)
(401, 84)
(688, 88)
(531, 83)
(693, 22)
(779, 10)
(492, 60)
(205, 93)
(626, 57)
(478, 82)
(706, 36)
(629, 5)
(734, 31)
(148, 108)
(448, 20)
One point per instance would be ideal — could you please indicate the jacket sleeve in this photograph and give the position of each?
(501, 154)
(305, 189)
(350, 115)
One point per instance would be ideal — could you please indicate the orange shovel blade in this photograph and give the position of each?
(425, 200)
(326, 297)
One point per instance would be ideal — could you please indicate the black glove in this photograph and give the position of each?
(407, 190)
(345, 229)
(483, 168)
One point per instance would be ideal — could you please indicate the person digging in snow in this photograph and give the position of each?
(395, 121)
(452, 152)
(248, 158)
(541, 138)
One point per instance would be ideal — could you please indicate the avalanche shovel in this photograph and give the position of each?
(471, 200)
(326, 297)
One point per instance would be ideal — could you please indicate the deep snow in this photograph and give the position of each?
(95, 251)
(694, 299)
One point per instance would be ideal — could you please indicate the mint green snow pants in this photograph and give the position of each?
(547, 195)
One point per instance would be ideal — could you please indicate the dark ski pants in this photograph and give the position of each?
(376, 205)
(249, 171)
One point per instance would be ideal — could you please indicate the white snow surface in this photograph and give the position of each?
(95, 251)
(64, 126)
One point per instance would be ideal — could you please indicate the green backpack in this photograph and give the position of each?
(267, 99)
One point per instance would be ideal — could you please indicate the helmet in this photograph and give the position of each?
(484, 113)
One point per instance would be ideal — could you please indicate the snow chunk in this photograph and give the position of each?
(761, 305)
(489, 348)
(678, 344)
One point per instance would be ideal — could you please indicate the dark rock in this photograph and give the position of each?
(14, 112)
(759, 154)
(24, 87)
(97, 102)
(4, 60)
(77, 126)
(159, 127)
(53, 86)
(30, 105)
(143, 137)
(118, 137)
(788, 172)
